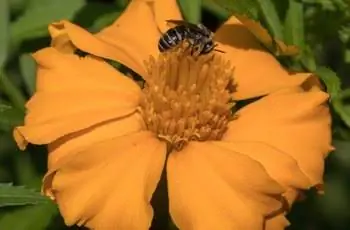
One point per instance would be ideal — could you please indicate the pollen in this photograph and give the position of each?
(187, 97)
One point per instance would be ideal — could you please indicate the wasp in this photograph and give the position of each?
(199, 37)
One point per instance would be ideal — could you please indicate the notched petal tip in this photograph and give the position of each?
(60, 39)
(19, 138)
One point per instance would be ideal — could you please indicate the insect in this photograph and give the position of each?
(199, 37)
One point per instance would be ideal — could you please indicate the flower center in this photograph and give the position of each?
(187, 97)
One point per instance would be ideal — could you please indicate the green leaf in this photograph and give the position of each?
(342, 149)
(308, 59)
(17, 6)
(269, 12)
(122, 3)
(4, 107)
(216, 9)
(10, 117)
(36, 217)
(104, 21)
(331, 80)
(4, 30)
(191, 10)
(248, 8)
(294, 24)
(33, 23)
(18, 195)
(27, 67)
(14, 94)
(341, 108)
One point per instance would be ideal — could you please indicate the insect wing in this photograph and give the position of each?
(181, 22)
(191, 26)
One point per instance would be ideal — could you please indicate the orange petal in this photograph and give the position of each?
(280, 222)
(109, 185)
(62, 72)
(280, 166)
(213, 188)
(130, 40)
(256, 72)
(61, 150)
(60, 39)
(74, 94)
(294, 122)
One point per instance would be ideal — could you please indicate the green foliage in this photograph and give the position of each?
(294, 24)
(45, 12)
(27, 68)
(10, 117)
(331, 81)
(4, 21)
(192, 9)
(319, 28)
(248, 7)
(19, 195)
(36, 217)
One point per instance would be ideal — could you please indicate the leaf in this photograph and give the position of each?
(342, 109)
(294, 24)
(191, 10)
(36, 217)
(104, 21)
(342, 149)
(269, 12)
(248, 8)
(4, 107)
(4, 31)
(27, 67)
(19, 195)
(33, 23)
(10, 117)
(17, 6)
(13, 93)
(331, 80)
(276, 47)
(214, 8)
(308, 59)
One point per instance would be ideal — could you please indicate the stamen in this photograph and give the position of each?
(187, 97)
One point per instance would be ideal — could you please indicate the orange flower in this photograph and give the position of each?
(109, 139)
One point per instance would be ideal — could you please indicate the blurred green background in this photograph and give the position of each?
(320, 28)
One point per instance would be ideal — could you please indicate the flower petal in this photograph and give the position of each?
(256, 72)
(213, 188)
(74, 94)
(130, 40)
(294, 122)
(280, 166)
(61, 150)
(280, 222)
(60, 39)
(109, 185)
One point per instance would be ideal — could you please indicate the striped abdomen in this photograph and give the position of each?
(172, 37)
